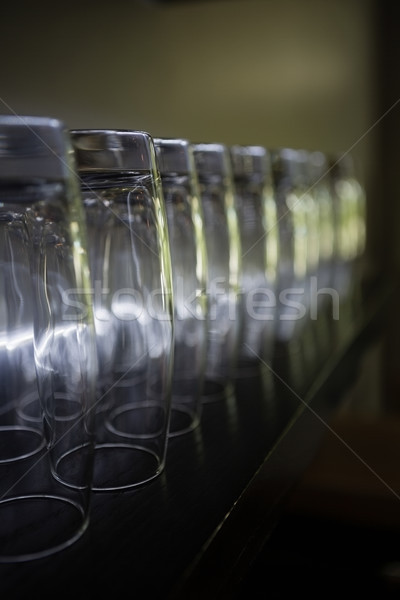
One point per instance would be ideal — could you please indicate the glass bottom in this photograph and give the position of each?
(64, 407)
(138, 420)
(183, 420)
(117, 466)
(36, 526)
(18, 442)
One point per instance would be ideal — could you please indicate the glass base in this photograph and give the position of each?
(117, 466)
(18, 442)
(183, 420)
(36, 526)
(138, 420)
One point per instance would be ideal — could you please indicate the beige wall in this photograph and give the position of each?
(279, 72)
(272, 72)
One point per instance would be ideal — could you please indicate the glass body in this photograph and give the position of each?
(320, 187)
(349, 209)
(222, 237)
(258, 228)
(189, 273)
(298, 264)
(47, 343)
(132, 296)
(325, 306)
(299, 240)
(349, 206)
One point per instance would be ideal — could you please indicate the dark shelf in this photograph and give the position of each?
(193, 532)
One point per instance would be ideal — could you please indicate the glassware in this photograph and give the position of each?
(189, 272)
(132, 296)
(47, 343)
(214, 172)
(296, 259)
(325, 307)
(320, 187)
(308, 203)
(258, 227)
(289, 188)
(349, 203)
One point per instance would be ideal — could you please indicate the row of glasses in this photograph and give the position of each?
(322, 216)
(141, 277)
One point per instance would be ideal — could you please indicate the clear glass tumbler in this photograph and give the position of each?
(189, 272)
(325, 307)
(47, 343)
(258, 228)
(297, 258)
(214, 172)
(349, 207)
(132, 295)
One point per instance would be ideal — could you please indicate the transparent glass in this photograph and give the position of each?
(257, 219)
(298, 225)
(320, 187)
(296, 241)
(349, 210)
(189, 273)
(47, 345)
(133, 305)
(324, 301)
(221, 229)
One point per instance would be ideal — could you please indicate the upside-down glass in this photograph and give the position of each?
(47, 344)
(189, 271)
(258, 228)
(298, 256)
(325, 308)
(350, 225)
(132, 296)
(292, 207)
(214, 172)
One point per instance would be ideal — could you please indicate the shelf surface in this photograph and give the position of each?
(192, 532)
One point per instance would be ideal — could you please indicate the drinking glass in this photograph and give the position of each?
(133, 305)
(325, 307)
(189, 272)
(292, 210)
(221, 230)
(47, 343)
(297, 257)
(258, 228)
(349, 205)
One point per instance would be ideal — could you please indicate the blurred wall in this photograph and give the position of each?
(272, 72)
